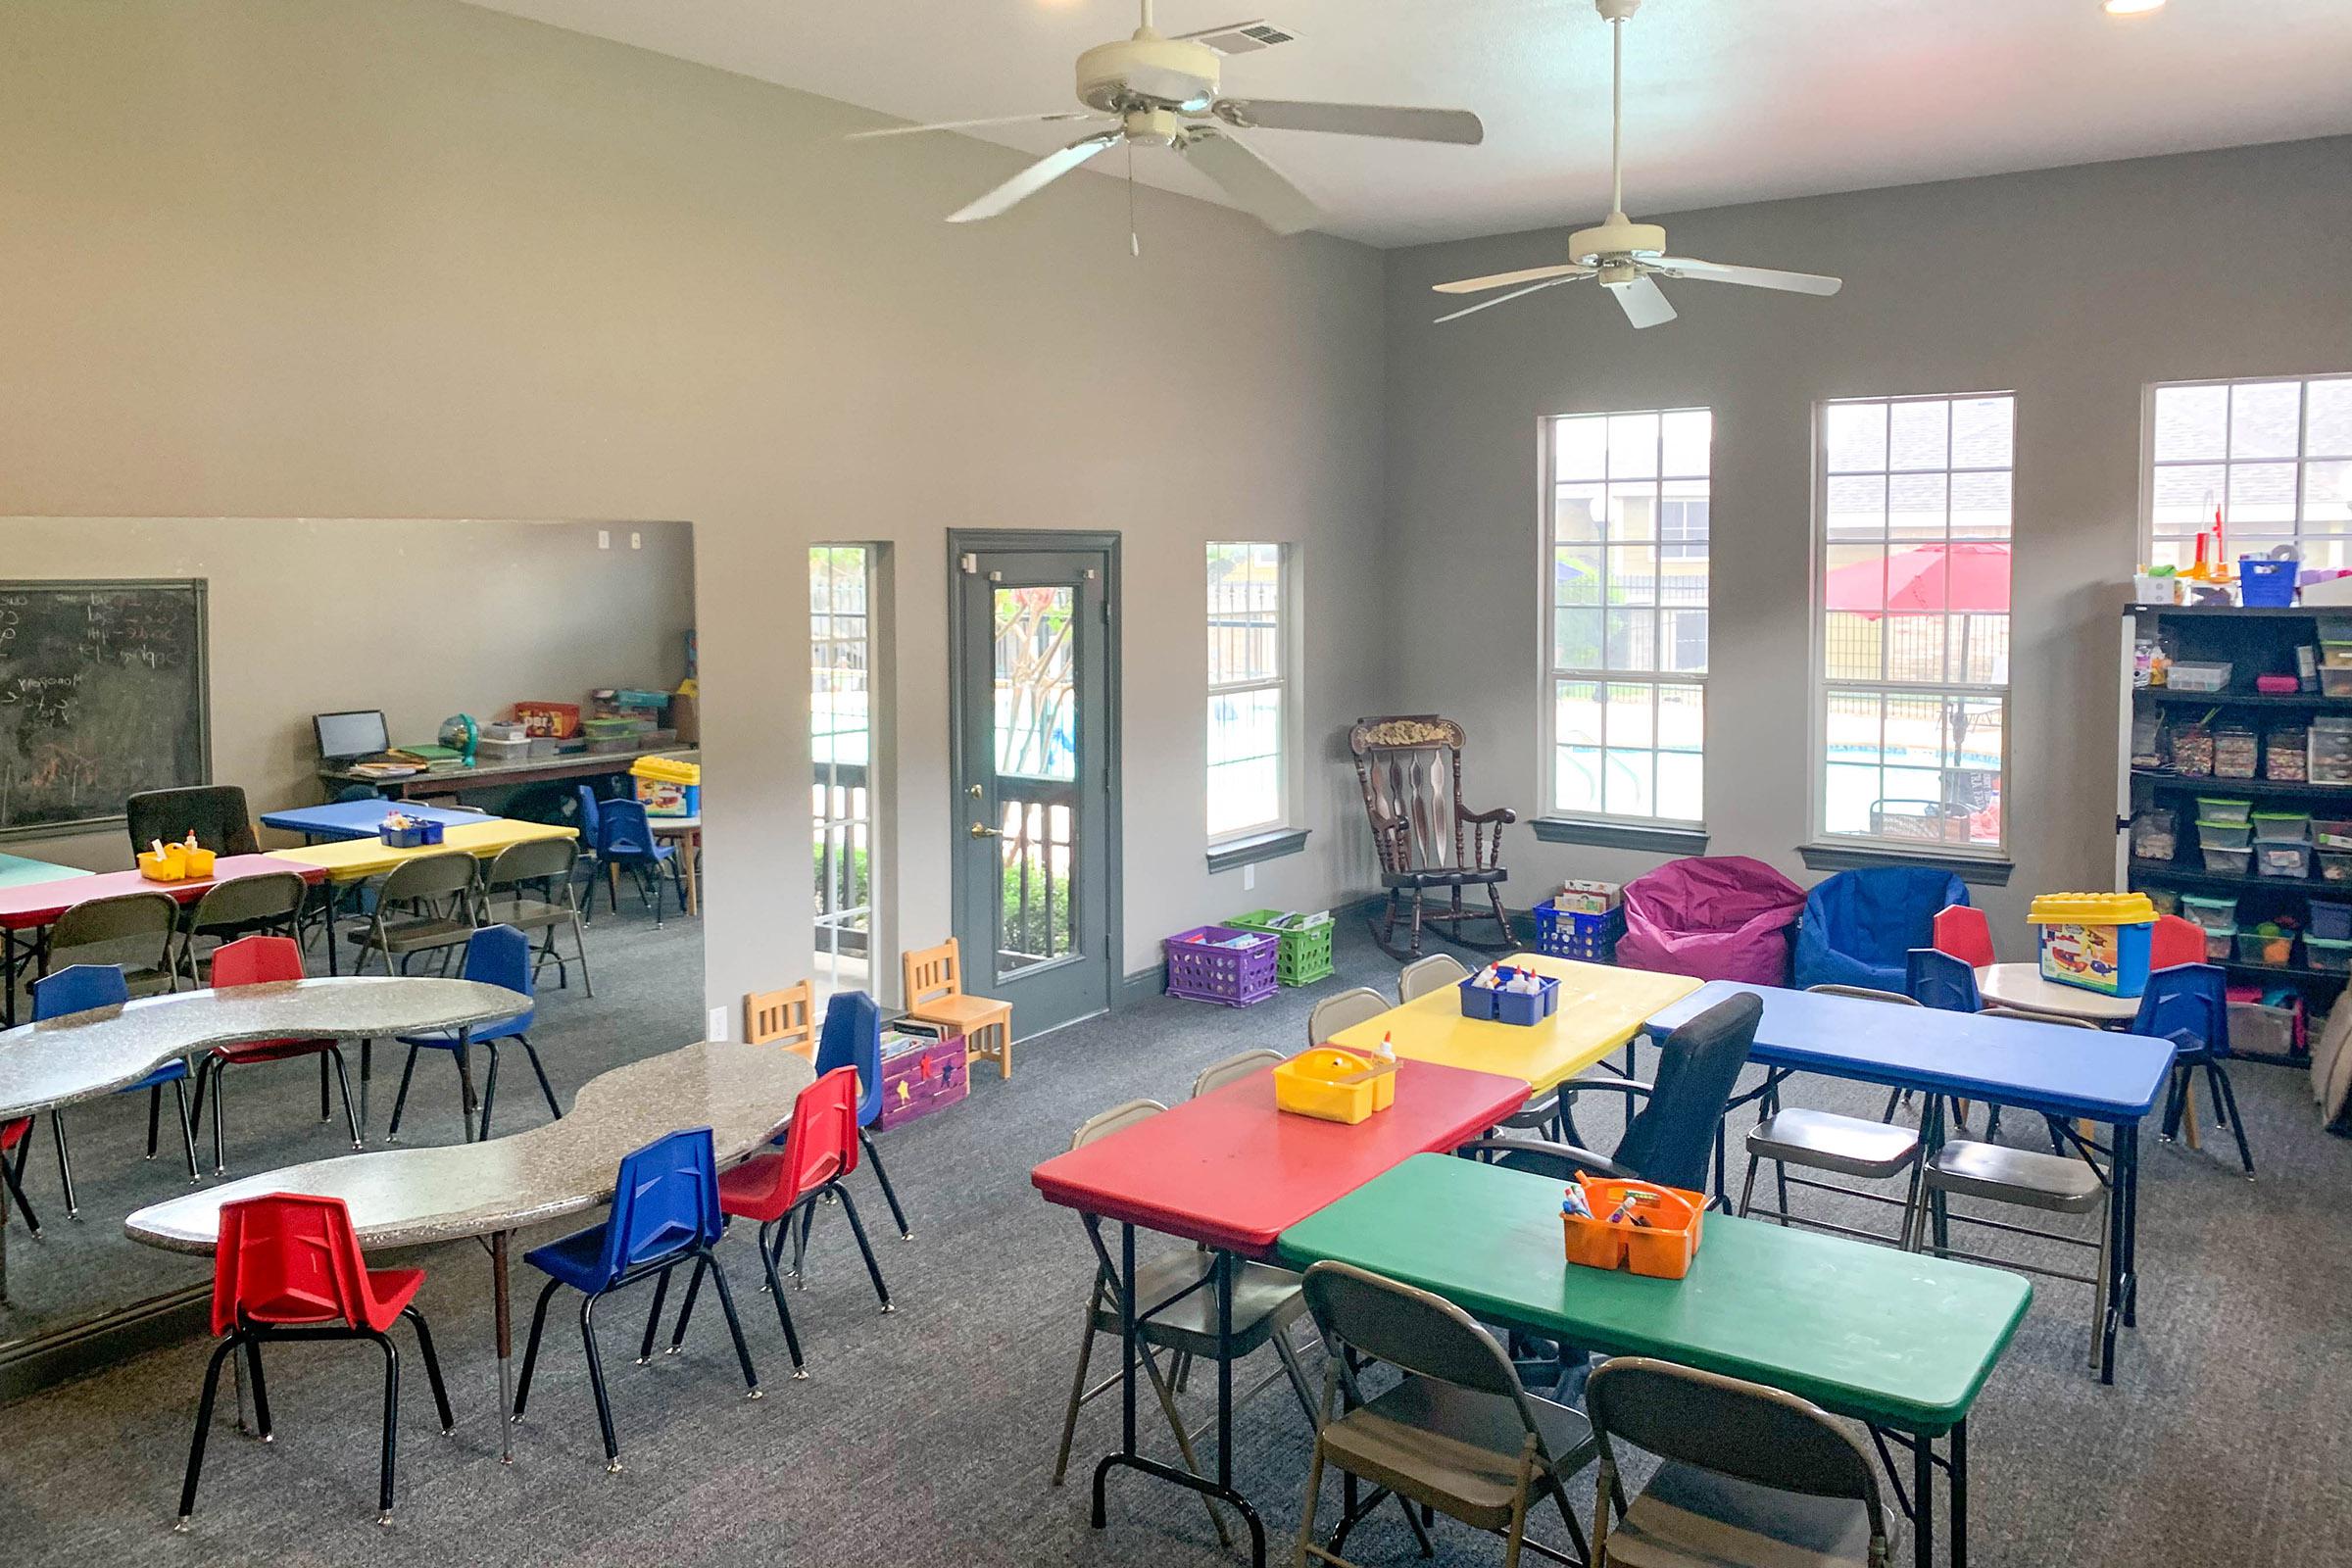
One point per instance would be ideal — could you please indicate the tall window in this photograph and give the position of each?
(841, 746)
(2274, 459)
(1249, 688)
(1912, 600)
(1627, 553)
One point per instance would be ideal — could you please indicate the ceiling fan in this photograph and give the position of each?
(1625, 256)
(1156, 91)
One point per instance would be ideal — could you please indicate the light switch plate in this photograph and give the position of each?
(604, 538)
(1248, 877)
(718, 1024)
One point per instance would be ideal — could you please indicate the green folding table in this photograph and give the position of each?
(1899, 1341)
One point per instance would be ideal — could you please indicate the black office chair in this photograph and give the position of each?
(1669, 1140)
(217, 813)
(1673, 1136)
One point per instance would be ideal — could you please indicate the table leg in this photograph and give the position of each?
(1958, 1467)
(501, 1311)
(7, 997)
(2127, 1157)
(4, 1235)
(1923, 1500)
(1126, 1454)
(690, 848)
(366, 1070)
(466, 1078)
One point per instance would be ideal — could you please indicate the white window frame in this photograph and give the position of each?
(1554, 672)
(1818, 615)
(1284, 682)
(2302, 460)
(825, 959)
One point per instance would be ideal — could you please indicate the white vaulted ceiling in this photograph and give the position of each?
(1727, 100)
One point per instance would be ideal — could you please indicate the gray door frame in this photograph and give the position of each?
(976, 541)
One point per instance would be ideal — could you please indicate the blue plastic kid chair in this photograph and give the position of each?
(2188, 1004)
(1858, 925)
(495, 955)
(624, 841)
(852, 1037)
(664, 1212)
(1934, 978)
(79, 988)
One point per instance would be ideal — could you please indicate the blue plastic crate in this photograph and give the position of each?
(2265, 584)
(1571, 934)
(416, 835)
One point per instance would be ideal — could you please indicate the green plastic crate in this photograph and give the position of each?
(1305, 954)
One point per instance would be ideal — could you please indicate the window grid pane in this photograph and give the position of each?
(2256, 452)
(840, 745)
(1629, 508)
(1913, 608)
(1248, 687)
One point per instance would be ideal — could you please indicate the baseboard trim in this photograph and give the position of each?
(1141, 987)
(93, 1345)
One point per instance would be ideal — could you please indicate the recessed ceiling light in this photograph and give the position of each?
(2131, 8)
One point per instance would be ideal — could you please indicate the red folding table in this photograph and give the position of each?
(1230, 1172)
(27, 912)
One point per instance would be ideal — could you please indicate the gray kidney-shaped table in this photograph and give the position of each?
(487, 1191)
(85, 1056)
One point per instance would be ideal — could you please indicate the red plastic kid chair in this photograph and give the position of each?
(288, 1267)
(2175, 942)
(820, 1148)
(1963, 932)
(261, 960)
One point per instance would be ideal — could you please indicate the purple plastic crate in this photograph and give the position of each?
(1202, 969)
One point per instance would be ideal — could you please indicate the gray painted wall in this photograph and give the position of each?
(301, 258)
(2073, 287)
(419, 619)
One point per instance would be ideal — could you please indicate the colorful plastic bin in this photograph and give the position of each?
(1525, 1009)
(417, 834)
(2095, 941)
(1661, 1248)
(1221, 963)
(1577, 934)
(1305, 953)
(1330, 1084)
(2264, 585)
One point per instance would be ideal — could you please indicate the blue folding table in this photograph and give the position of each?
(358, 819)
(2064, 1072)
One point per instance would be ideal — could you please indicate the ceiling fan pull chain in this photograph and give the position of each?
(1135, 246)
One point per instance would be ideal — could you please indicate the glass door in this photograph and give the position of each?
(1034, 854)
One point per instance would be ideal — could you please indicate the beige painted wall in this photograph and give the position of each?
(419, 619)
(301, 258)
(2073, 287)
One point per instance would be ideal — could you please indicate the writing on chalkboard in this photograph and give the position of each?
(102, 696)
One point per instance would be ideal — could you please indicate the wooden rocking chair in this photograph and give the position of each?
(1411, 767)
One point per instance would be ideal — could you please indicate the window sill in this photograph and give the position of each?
(1978, 870)
(1621, 835)
(1234, 853)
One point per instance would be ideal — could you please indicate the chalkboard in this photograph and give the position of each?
(102, 695)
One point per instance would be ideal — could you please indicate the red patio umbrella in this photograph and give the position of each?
(1915, 582)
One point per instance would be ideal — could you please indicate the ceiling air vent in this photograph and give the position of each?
(1243, 38)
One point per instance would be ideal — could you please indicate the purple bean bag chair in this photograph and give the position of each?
(1719, 918)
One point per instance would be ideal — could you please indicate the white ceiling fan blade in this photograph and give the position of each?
(1456, 125)
(1251, 181)
(1530, 275)
(1753, 276)
(1504, 299)
(1643, 302)
(1036, 177)
(970, 125)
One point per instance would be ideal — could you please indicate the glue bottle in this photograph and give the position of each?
(1387, 1051)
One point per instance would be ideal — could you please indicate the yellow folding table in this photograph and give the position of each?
(357, 860)
(1600, 1009)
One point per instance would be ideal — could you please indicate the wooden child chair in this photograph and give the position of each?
(933, 983)
(785, 1018)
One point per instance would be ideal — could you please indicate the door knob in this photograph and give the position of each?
(981, 830)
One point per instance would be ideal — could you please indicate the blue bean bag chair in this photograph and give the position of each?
(1858, 925)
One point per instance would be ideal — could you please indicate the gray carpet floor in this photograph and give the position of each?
(926, 1437)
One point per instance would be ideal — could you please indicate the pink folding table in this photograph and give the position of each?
(1229, 1171)
(27, 912)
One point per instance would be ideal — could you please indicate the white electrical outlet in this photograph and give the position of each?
(718, 1024)
(636, 540)
(1248, 877)
(604, 538)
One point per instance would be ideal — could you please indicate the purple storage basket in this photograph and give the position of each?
(1230, 976)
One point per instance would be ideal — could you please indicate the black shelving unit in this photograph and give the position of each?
(2255, 642)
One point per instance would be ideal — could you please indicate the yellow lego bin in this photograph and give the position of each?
(1334, 1084)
